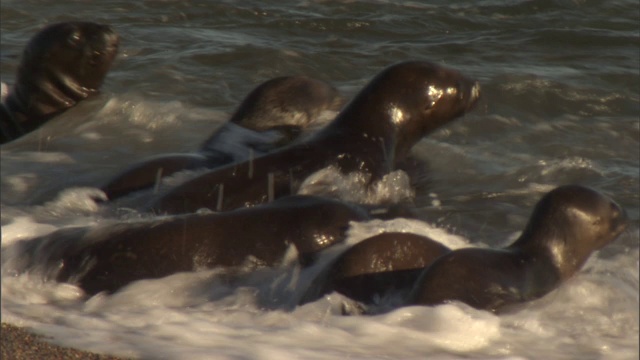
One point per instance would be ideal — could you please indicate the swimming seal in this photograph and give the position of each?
(567, 225)
(377, 266)
(61, 65)
(271, 116)
(106, 258)
(402, 104)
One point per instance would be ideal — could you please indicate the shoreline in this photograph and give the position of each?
(17, 343)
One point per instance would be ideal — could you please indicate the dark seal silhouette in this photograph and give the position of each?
(61, 65)
(108, 257)
(376, 129)
(274, 114)
(567, 225)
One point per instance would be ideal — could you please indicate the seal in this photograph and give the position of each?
(61, 65)
(377, 266)
(567, 225)
(108, 257)
(273, 114)
(402, 104)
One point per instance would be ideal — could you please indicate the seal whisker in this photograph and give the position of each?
(271, 187)
(156, 185)
(251, 163)
(291, 183)
(220, 197)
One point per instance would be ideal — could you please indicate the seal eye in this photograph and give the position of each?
(75, 39)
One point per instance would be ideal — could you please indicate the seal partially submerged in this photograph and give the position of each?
(567, 225)
(61, 65)
(274, 114)
(395, 110)
(108, 257)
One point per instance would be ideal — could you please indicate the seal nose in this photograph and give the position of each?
(111, 36)
(619, 218)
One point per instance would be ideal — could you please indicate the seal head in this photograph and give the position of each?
(273, 114)
(61, 65)
(404, 103)
(567, 225)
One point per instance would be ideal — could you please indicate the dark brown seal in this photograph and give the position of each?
(567, 225)
(107, 257)
(377, 266)
(397, 108)
(61, 65)
(271, 116)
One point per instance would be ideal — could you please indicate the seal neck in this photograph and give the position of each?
(552, 248)
(369, 124)
(540, 272)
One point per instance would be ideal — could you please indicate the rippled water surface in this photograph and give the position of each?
(561, 104)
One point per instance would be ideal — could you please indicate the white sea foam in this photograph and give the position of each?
(330, 181)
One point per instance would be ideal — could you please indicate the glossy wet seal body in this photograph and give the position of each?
(108, 257)
(273, 115)
(567, 225)
(401, 105)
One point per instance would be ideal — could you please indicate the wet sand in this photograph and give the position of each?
(19, 344)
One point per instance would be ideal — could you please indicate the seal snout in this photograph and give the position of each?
(111, 36)
(619, 218)
(110, 39)
(102, 38)
(103, 45)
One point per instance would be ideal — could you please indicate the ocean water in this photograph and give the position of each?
(560, 104)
